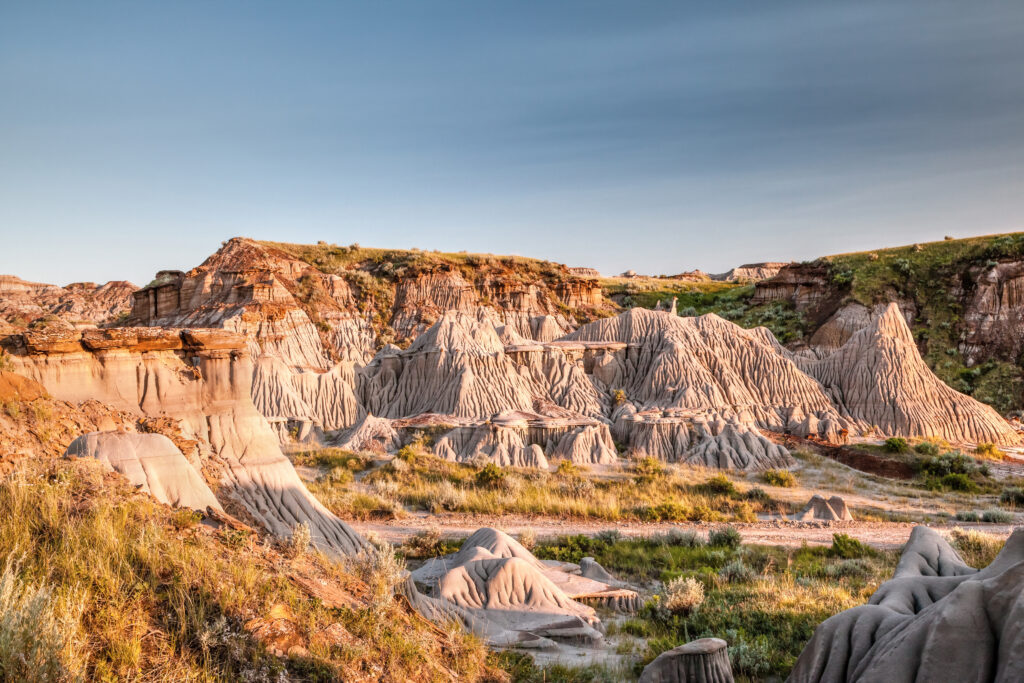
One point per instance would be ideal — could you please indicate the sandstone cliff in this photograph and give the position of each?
(200, 379)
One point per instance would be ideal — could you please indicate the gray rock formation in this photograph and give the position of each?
(700, 661)
(512, 596)
(152, 463)
(937, 619)
(879, 378)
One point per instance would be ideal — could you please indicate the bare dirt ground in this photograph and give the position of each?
(883, 535)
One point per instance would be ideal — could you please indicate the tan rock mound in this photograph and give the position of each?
(879, 378)
(833, 510)
(14, 387)
(152, 463)
(936, 620)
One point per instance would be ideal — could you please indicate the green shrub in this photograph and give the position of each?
(759, 495)
(848, 547)
(1012, 495)
(856, 567)
(490, 476)
(989, 450)
(669, 511)
(927, 448)
(996, 517)
(718, 485)
(737, 571)
(958, 482)
(967, 516)
(778, 478)
(725, 537)
(649, 468)
(896, 444)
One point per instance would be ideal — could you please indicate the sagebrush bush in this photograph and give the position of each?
(927, 448)
(719, 485)
(967, 516)
(725, 537)
(737, 571)
(682, 596)
(491, 476)
(996, 517)
(300, 540)
(778, 478)
(1012, 495)
(37, 635)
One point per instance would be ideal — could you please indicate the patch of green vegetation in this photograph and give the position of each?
(729, 300)
(764, 600)
(928, 274)
(654, 492)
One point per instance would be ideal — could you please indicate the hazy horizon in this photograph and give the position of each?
(659, 137)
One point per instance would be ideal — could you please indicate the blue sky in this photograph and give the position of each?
(658, 136)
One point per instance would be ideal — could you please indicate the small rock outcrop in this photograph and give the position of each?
(152, 463)
(700, 661)
(832, 510)
(937, 619)
(514, 598)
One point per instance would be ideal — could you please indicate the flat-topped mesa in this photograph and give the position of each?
(879, 378)
(201, 378)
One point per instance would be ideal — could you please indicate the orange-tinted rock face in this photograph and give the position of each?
(807, 286)
(80, 303)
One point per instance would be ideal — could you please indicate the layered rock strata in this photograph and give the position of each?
(202, 379)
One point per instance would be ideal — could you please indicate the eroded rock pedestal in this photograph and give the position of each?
(701, 661)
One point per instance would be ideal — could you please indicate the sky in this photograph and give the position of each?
(654, 136)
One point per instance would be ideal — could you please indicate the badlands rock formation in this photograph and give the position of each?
(879, 378)
(202, 380)
(937, 619)
(832, 510)
(78, 304)
(514, 597)
(750, 272)
(152, 463)
(309, 320)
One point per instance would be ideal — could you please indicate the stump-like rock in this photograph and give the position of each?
(701, 661)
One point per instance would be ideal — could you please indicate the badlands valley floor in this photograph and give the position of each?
(335, 463)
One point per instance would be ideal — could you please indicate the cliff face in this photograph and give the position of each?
(201, 380)
(312, 306)
(78, 304)
(963, 299)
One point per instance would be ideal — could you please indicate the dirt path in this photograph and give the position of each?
(878, 534)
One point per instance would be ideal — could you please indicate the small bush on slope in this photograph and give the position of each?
(167, 604)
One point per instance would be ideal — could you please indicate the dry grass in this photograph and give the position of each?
(671, 493)
(114, 586)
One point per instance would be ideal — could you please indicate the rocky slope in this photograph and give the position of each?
(200, 381)
(81, 304)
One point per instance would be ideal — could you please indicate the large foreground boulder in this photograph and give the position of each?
(151, 462)
(937, 619)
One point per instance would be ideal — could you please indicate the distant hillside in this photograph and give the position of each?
(963, 299)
